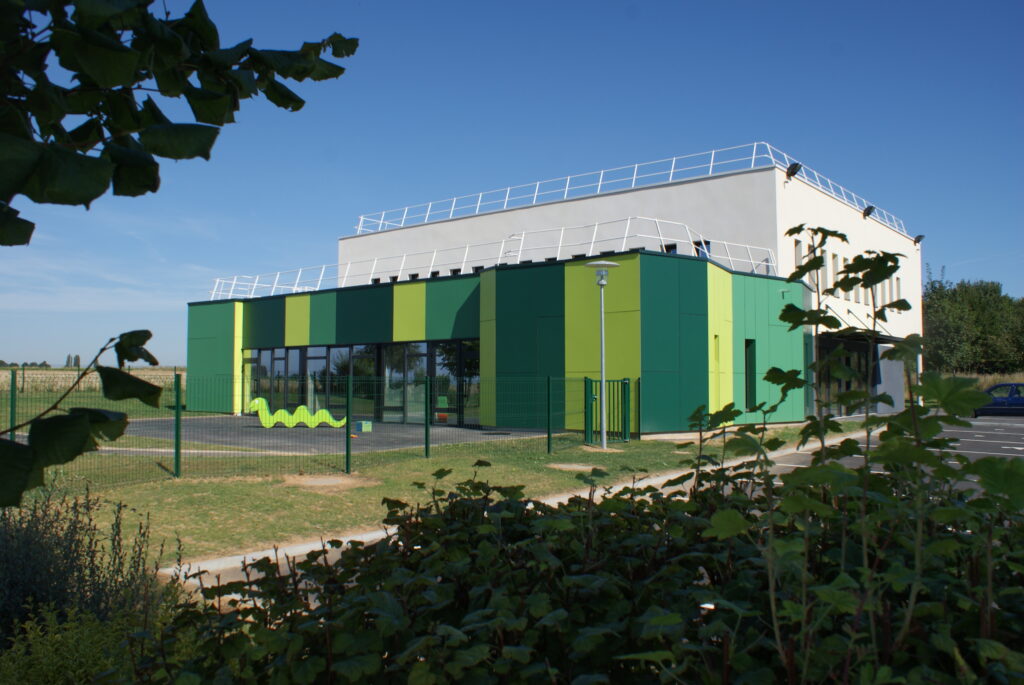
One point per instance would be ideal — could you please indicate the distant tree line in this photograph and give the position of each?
(972, 327)
(31, 365)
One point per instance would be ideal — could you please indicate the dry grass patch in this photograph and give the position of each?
(331, 483)
(571, 467)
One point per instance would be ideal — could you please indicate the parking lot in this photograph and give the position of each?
(989, 436)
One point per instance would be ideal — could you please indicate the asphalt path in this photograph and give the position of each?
(989, 436)
(246, 432)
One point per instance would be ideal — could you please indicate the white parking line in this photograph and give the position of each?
(999, 442)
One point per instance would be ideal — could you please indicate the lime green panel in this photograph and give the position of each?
(453, 308)
(263, 325)
(296, 321)
(488, 294)
(488, 374)
(582, 324)
(238, 385)
(323, 318)
(674, 333)
(409, 319)
(210, 356)
(719, 340)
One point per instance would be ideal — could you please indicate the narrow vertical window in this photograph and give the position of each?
(750, 371)
(846, 294)
(835, 269)
(798, 253)
(899, 289)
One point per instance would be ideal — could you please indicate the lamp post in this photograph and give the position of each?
(602, 280)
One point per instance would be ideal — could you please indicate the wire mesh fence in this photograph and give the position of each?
(318, 425)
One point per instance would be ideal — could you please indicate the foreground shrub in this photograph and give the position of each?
(908, 568)
(53, 554)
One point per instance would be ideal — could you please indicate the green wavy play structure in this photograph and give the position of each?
(290, 419)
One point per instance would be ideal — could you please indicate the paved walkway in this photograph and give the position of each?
(227, 569)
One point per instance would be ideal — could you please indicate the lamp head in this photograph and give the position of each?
(602, 267)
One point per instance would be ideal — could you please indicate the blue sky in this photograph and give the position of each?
(918, 107)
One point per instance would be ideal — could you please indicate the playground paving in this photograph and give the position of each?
(247, 432)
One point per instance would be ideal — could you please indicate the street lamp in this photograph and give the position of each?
(602, 280)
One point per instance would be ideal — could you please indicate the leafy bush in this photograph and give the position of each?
(67, 647)
(53, 554)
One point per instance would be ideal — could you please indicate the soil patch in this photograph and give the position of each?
(571, 467)
(590, 448)
(329, 483)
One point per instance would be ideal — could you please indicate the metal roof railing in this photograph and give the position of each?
(551, 244)
(698, 165)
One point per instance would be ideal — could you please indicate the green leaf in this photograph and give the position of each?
(105, 424)
(129, 347)
(179, 141)
(955, 395)
(102, 58)
(18, 472)
(18, 158)
(86, 136)
(517, 653)
(13, 229)
(228, 57)
(118, 385)
(726, 523)
(64, 177)
(1000, 476)
(342, 46)
(101, 10)
(209, 107)
(198, 21)
(294, 64)
(323, 70)
(59, 439)
(281, 96)
(135, 170)
(838, 595)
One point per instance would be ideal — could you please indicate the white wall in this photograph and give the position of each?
(798, 202)
(737, 208)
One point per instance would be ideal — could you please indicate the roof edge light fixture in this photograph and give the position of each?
(918, 239)
(868, 211)
(601, 268)
(793, 169)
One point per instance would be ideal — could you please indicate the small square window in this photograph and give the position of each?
(435, 274)
(393, 279)
(456, 272)
(374, 281)
(670, 248)
(477, 269)
(413, 277)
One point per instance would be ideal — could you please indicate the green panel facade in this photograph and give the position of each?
(674, 331)
(263, 323)
(530, 339)
(211, 354)
(757, 302)
(323, 317)
(453, 308)
(364, 315)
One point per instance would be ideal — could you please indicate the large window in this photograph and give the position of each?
(388, 380)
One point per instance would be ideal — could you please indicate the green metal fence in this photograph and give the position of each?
(358, 422)
(619, 410)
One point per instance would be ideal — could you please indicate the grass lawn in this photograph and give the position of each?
(30, 403)
(254, 507)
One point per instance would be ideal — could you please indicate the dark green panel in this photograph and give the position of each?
(323, 312)
(530, 333)
(453, 308)
(530, 311)
(210, 358)
(673, 341)
(364, 315)
(263, 323)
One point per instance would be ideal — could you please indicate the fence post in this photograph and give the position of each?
(549, 414)
(348, 425)
(177, 425)
(625, 410)
(588, 411)
(426, 418)
(14, 400)
(639, 416)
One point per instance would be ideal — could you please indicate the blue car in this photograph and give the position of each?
(1007, 398)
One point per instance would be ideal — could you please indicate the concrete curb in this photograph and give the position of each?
(229, 568)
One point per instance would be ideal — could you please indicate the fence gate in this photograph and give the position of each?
(618, 410)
